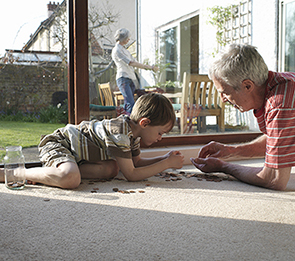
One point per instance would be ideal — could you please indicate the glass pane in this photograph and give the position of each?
(168, 39)
(105, 18)
(290, 37)
(33, 72)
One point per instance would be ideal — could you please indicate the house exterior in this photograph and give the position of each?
(185, 38)
(43, 38)
(51, 35)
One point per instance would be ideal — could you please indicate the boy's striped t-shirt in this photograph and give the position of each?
(277, 120)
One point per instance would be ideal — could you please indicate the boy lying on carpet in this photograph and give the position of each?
(99, 149)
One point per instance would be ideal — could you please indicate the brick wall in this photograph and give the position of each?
(30, 87)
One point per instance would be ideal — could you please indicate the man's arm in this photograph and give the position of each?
(264, 177)
(219, 150)
(254, 148)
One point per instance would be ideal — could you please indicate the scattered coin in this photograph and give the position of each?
(46, 199)
(93, 191)
(141, 191)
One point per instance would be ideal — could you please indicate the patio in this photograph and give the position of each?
(178, 217)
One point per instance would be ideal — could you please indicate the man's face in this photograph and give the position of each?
(240, 99)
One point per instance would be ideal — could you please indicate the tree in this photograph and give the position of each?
(99, 22)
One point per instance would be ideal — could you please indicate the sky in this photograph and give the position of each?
(19, 19)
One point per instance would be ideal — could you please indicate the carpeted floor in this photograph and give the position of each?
(180, 216)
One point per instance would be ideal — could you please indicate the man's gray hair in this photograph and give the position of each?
(121, 34)
(239, 62)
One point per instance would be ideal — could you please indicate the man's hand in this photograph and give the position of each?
(209, 164)
(216, 150)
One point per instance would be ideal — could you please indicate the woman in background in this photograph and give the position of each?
(125, 62)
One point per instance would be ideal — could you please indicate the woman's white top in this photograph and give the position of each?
(122, 57)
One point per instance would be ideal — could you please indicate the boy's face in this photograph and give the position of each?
(152, 134)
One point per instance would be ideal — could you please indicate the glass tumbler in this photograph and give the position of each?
(14, 168)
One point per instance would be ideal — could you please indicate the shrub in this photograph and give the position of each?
(50, 114)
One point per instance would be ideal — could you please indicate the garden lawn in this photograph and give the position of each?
(25, 134)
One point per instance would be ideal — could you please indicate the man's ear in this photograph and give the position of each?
(144, 122)
(248, 84)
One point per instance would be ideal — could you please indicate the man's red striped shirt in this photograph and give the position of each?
(277, 120)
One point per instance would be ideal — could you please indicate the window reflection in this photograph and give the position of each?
(168, 48)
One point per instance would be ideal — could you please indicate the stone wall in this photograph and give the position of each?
(30, 88)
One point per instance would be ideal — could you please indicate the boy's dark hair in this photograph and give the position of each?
(156, 107)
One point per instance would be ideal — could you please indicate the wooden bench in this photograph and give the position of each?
(199, 91)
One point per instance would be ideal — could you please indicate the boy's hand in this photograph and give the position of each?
(175, 159)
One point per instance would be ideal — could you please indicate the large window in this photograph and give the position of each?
(34, 69)
(287, 43)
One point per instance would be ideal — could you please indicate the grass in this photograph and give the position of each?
(25, 134)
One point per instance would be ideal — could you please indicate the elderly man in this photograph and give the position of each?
(242, 79)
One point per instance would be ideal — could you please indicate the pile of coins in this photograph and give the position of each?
(172, 176)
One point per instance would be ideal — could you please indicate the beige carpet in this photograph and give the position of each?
(185, 218)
